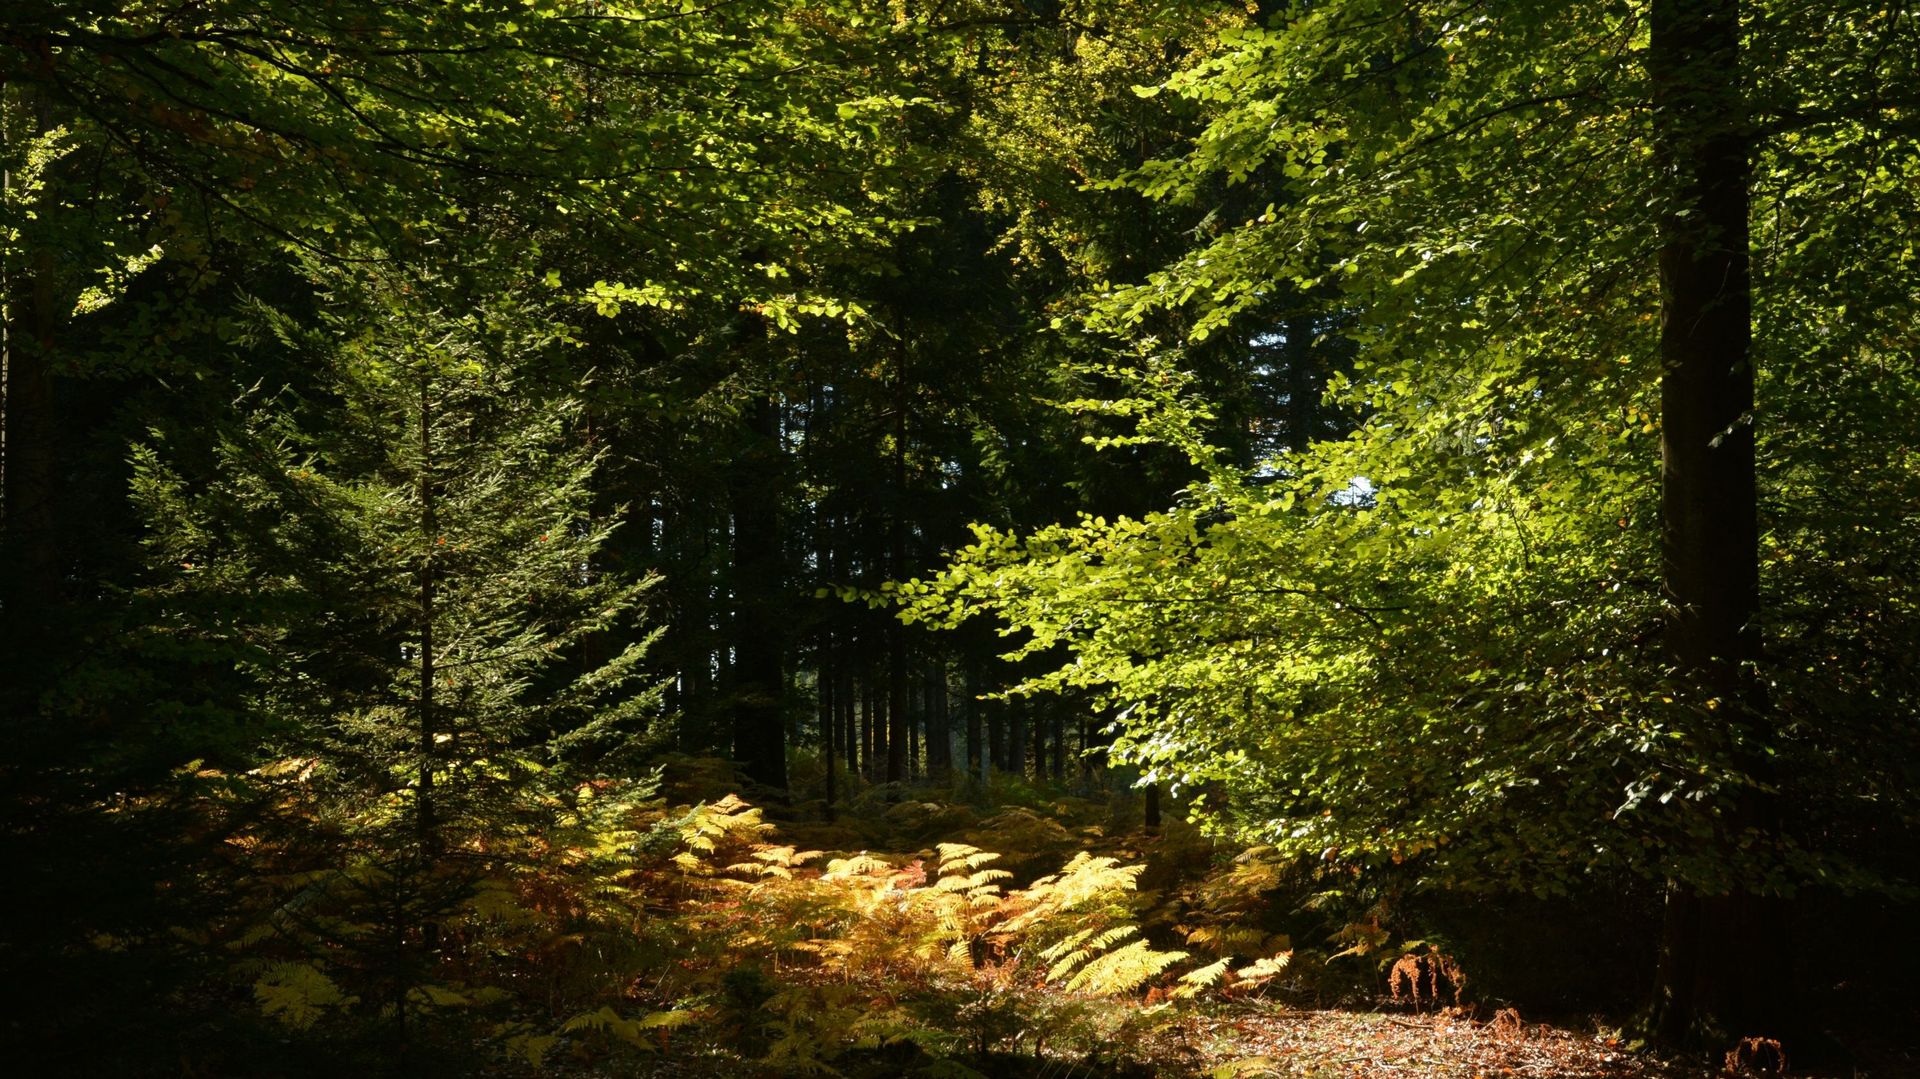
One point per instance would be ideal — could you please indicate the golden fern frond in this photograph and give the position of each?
(984, 879)
(859, 865)
(1088, 877)
(1066, 945)
(1261, 970)
(607, 1021)
(1194, 981)
(1083, 947)
(1227, 939)
(1123, 970)
(953, 857)
(761, 869)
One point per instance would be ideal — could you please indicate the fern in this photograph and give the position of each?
(1194, 982)
(298, 994)
(1123, 970)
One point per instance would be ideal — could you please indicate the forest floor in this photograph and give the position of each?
(1261, 1039)
(1303, 1026)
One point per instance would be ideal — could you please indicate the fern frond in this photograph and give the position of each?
(1083, 947)
(1209, 974)
(859, 865)
(1123, 970)
(1261, 970)
(1227, 939)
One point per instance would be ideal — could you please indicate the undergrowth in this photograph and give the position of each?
(926, 935)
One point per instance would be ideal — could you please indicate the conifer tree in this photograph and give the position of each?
(405, 571)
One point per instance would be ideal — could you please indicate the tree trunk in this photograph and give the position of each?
(976, 749)
(1017, 736)
(896, 633)
(939, 726)
(1303, 390)
(1721, 972)
(866, 728)
(29, 427)
(759, 681)
(828, 712)
(424, 797)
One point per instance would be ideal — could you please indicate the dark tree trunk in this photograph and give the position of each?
(1017, 736)
(30, 559)
(1721, 970)
(896, 633)
(1303, 389)
(916, 726)
(997, 734)
(849, 722)
(939, 726)
(759, 679)
(424, 796)
(867, 727)
(828, 713)
(976, 749)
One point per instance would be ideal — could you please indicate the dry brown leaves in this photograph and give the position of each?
(1362, 1045)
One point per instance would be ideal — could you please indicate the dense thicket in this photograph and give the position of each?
(1463, 449)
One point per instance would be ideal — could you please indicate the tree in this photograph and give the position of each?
(1503, 214)
(403, 568)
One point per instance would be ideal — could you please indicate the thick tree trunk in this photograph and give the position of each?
(997, 735)
(1303, 389)
(1017, 736)
(828, 713)
(29, 424)
(896, 633)
(976, 748)
(759, 681)
(939, 725)
(1721, 970)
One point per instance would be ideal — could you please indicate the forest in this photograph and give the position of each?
(1071, 539)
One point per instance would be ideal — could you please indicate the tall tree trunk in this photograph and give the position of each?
(29, 419)
(1720, 972)
(997, 734)
(759, 682)
(896, 632)
(828, 712)
(867, 726)
(849, 712)
(425, 808)
(939, 725)
(976, 749)
(1017, 735)
(826, 656)
(1303, 390)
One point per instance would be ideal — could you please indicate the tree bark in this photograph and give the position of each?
(29, 429)
(1303, 390)
(759, 680)
(976, 748)
(425, 818)
(1721, 970)
(896, 633)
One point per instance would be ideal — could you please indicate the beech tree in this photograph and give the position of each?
(1471, 638)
